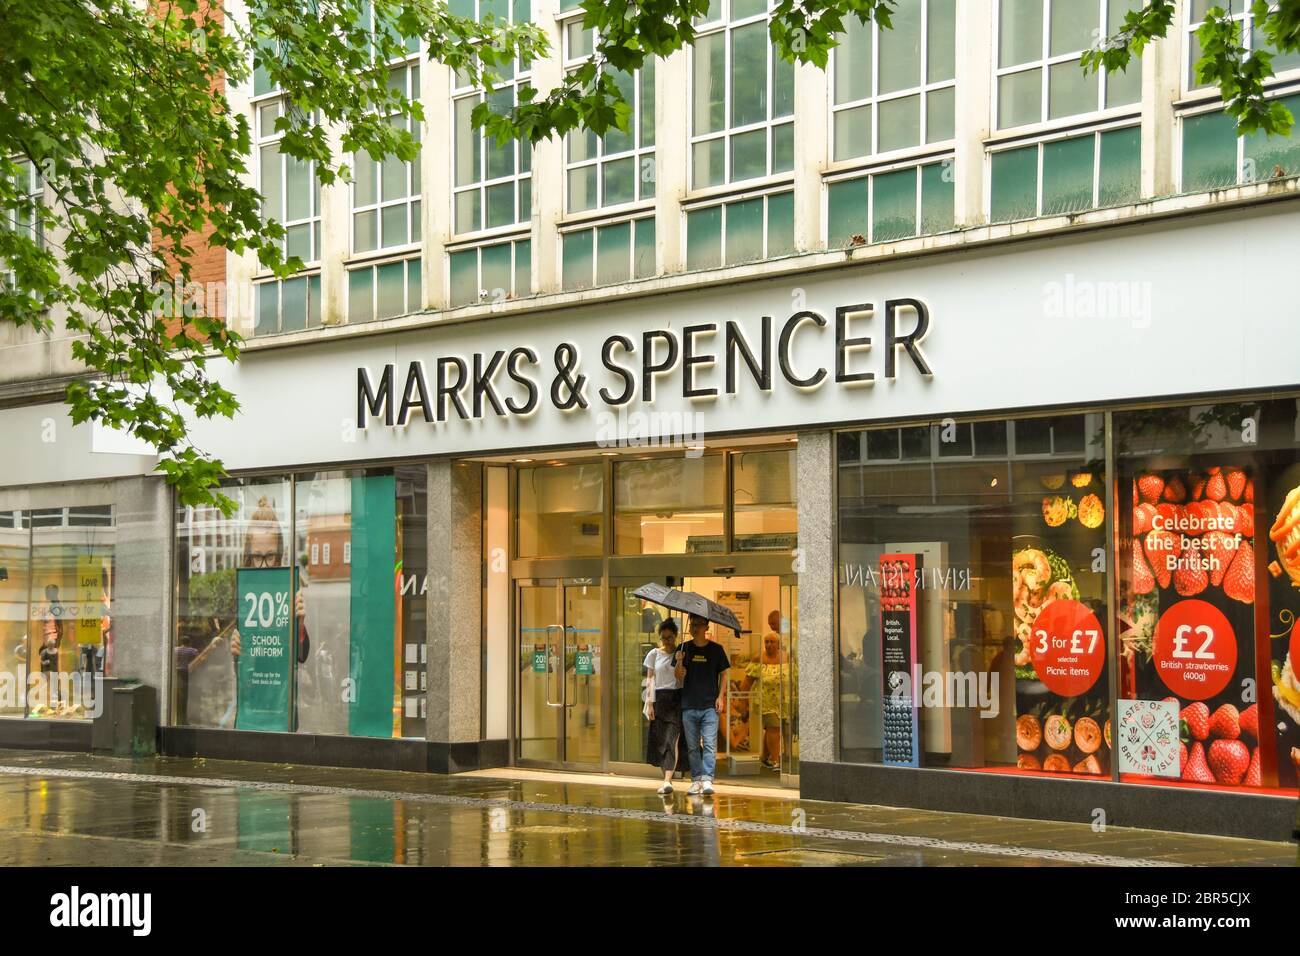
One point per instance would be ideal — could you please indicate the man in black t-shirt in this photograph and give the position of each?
(702, 668)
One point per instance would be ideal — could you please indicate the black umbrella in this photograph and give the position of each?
(688, 602)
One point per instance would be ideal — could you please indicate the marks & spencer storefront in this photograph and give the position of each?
(1020, 523)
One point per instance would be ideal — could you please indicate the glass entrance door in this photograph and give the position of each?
(558, 693)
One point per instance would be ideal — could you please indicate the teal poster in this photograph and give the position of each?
(265, 672)
(373, 588)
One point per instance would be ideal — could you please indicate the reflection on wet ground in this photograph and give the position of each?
(75, 809)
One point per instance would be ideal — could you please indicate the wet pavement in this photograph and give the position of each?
(76, 809)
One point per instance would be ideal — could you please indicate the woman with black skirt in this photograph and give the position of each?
(664, 704)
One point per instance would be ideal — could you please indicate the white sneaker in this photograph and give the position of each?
(666, 789)
(696, 786)
(708, 788)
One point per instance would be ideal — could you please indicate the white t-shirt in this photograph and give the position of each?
(662, 664)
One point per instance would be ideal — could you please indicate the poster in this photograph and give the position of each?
(898, 577)
(1283, 577)
(739, 603)
(1147, 740)
(266, 660)
(90, 599)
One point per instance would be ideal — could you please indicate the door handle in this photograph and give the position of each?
(549, 702)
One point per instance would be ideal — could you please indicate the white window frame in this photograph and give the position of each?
(639, 152)
(765, 193)
(924, 89)
(882, 169)
(33, 198)
(725, 26)
(462, 92)
(1189, 35)
(1092, 129)
(373, 266)
(306, 276)
(488, 295)
(594, 226)
(267, 137)
(412, 200)
(1216, 106)
(1044, 64)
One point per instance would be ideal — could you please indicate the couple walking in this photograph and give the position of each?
(685, 696)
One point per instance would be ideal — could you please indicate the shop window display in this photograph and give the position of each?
(1210, 566)
(303, 611)
(972, 595)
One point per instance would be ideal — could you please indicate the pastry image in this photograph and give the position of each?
(1285, 535)
(1286, 688)
(1091, 511)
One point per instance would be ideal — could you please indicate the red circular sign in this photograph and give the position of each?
(1295, 645)
(1195, 651)
(1068, 648)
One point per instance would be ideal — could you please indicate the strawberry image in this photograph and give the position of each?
(1182, 757)
(1143, 580)
(1216, 489)
(1198, 488)
(1236, 483)
(1249, 721)
(1160, 546)
(1190, 578)
(1142, 517)
(1135, 492)
(1197, 770)
(1253, 775)
(1239, 582)
(1219, 551)
(1150, 487)
(1175, 490)
(1227, 512)
(1169, 514)
(1225, 722)
(1229, 761)
(1246, 520)
(1197, 718)
(1250, 491)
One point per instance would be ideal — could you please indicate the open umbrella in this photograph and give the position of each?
(688, 602)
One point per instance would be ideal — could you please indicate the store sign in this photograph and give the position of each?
(584, 662)
(901, 740)
(1067, 648)
(265, 671)
(90, 595)
(1147, 742)
(514, 382)
(1195, 650)
(539, 659)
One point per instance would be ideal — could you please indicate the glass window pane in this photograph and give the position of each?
(467, 211)
(1020, 31)
(940, 114)
(704, 238)
(393, 179)
(740, 9)
(938, 198)
(853, 63)
(647, 105)
(620, 181)
(846, 211)
(783, 148)
(468, 143)
(394, 224)
(582, 145)
(561, 510)
(749, 155)
(500, 204)
(1067, 175)
(582, 188)
(1070, 90)
(524, 267)
(1271, 157)
(268, 309)
(893, 206)
(614, 253)
(361, 308)
(580, 41)
(645, 248)
(414, 294)
(364, 236)
(390, 290)
(272, 192)
(464, 277)
(1124, 87)
(293, 304)
(941, 41)
(364, 192)
(297, 242)
(709, 83)
(744, 224)
(313, 301)
(1020, 98)
(668, 505)
(1014, 184)
(617, 141)
(1073, 22)
(749, 46)
(853, 132)
(780, 224)
(1120, 167)
(1209, 152)
(765, 500)
(708, 163)
(525, 199)
(900, 49)
(298, 191)
(900, 123)
(577, 259)
(782, 86)
(497, 271)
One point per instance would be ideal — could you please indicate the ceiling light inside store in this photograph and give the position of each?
(523, 461)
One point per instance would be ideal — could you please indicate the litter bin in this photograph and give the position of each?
(134, 709)
(101, 727)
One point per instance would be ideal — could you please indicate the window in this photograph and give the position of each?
(336, 668)
(1039, 76)
(24, 219)
(889, 205)
(669, 505)
(740, 231)
(764, 500)
(1215, 157)
(611, 253)
(384, 290)
(895, 89)
(492, 182)
(288, 305)
(561, 510)
(491, 273)
(1066, 174)
(290, 189)
(742, 110)
(386, 193)
(617, 168)
(1252, 36)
